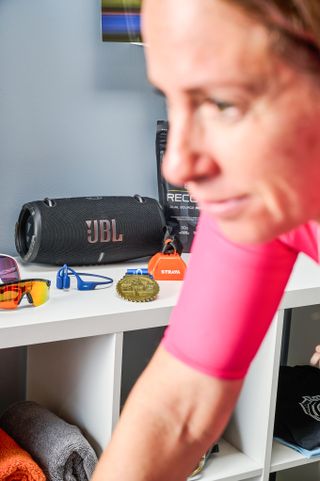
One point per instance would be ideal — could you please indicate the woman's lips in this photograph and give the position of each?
(224, 208)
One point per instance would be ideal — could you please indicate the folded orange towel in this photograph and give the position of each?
(15, 463)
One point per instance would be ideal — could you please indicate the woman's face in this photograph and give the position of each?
(244, 125)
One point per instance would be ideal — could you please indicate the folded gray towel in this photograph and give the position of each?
(58, 447)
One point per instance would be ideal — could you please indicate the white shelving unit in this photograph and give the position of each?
(74, 360)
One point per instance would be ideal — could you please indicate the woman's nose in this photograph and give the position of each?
(186, 160)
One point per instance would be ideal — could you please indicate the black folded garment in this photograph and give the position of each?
(298, 406)
(58, 447)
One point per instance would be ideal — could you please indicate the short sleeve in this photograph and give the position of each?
(227, 302)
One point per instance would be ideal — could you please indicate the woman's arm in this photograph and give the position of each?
(172, 416)
(183, 400)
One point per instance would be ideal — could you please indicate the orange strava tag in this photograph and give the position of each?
(167, 266)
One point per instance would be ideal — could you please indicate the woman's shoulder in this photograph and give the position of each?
(305, 238)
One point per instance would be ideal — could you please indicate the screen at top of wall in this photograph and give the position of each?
(121, 20)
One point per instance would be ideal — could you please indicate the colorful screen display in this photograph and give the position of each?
(121, 20)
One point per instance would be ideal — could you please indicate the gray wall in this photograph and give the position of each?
(77, 117)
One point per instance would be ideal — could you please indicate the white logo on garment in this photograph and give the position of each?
(311, 406)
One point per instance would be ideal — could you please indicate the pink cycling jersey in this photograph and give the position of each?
(229, 297)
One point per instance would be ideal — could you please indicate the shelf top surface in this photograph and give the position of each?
(71, 303)
(102, 311)
(230, 465)
(285, 458)
(82, 313)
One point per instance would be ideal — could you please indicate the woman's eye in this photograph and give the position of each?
(221, 105)
(228, 109)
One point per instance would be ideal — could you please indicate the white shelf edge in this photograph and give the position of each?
(284, 457)
(230, 465)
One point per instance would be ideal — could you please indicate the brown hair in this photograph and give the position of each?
(294, 27)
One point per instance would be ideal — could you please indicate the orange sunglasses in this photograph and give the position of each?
(36, 291)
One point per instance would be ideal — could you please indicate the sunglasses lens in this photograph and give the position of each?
(36, 290)
(39, 291)
(9, 270)
(10, 296)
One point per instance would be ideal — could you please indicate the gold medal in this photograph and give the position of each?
(137, 288)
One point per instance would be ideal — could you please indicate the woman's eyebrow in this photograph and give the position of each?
(248, 87)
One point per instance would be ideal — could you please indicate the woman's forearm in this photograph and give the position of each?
(169, 421)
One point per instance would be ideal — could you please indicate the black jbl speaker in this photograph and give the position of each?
(89, 230)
